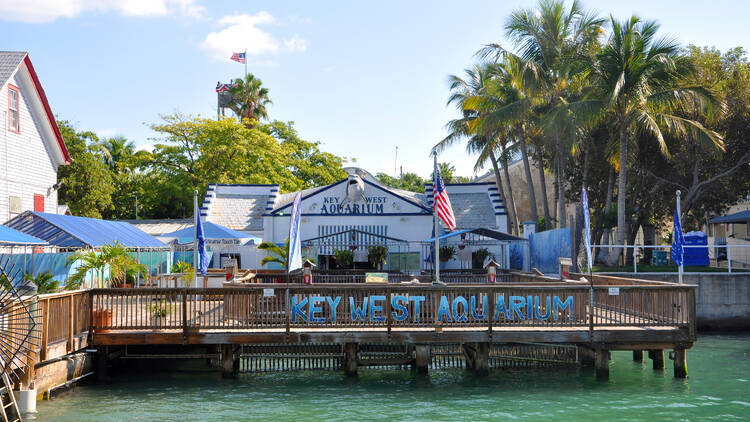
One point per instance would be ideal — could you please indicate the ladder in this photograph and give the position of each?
(8, 403)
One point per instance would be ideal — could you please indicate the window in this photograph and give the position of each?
(39, 203)
(14, 118)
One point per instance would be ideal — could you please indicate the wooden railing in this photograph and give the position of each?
(63, 317)
(283, 306)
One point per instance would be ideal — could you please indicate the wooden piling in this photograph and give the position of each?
(350, 359)
(585, 356)
(657, 358)
(482, 358)
(637, 355)
(680, 363)
(101, 365)
(469, 350)
(227, 361)
(422, 358)
(601, 363)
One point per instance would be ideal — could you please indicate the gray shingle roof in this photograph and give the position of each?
(238, 212)
(9, 61)
(473, 210)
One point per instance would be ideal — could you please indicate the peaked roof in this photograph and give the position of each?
(81, 232)
(10, 62)
(10, 237)
(494, 234)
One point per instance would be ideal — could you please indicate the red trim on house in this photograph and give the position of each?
(17, 129)
(47, 110)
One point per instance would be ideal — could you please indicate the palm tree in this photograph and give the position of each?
(116, 151)
(281, 253)
(554, 42)
(249, 100)
(466, 95)
(637, 77)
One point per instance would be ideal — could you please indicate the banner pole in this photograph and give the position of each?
(682, 258)
(436, 255)
(195, 238)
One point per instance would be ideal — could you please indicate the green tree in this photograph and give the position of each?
(280, 254)
(87, 184)
(250, 99)
(638, 77)
(44, 282)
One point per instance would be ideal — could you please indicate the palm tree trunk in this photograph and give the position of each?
(607, 206)
(621, 186)
(529, 180)
(499, 182)
(510, 192)
(543, 185)
(560, 181)
(587, 147)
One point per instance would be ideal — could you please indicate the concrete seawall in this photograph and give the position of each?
(723, 299)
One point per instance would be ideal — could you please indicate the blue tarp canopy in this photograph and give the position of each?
(66, 231)
(10, 237)
(741, 217)
(482, 232)
(211, 231)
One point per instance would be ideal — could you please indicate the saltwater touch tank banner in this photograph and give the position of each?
(469, 308)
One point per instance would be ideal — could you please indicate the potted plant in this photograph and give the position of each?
(447, 253)
(182, 267)
(344, 258)
(377, 255)
(479, 256)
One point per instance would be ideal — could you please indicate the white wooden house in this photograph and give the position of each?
(31, 146)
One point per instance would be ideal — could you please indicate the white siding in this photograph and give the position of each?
(26, 166)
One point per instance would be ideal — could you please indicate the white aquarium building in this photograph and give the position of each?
(353, 213)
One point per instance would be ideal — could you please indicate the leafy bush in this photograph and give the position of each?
(377, 255)
(160, 309)
(45, 282)
(478, 257)
(344, 258)
(447, 253)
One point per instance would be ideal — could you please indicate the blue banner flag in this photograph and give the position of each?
(295, 246)
(585, 204)
(678, 239)
(199, 234)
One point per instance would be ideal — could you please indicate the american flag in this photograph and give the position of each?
(220, 87)
(238, 57)
(442, 202)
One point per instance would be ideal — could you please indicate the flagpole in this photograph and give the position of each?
(682, 260)
(246, 64)
(436, 254)
(195, 238)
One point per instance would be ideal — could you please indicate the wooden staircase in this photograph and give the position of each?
(8, 403)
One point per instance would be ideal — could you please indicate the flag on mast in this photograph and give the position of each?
(295, 247)
(238, 57)
(586, 224)
(201, 238)
(442, 201)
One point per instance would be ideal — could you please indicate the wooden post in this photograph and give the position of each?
(482, 360)
(184, 315)
(470, 355)
(71, 309)
(227, 361)
(585, 356)
(680, 363)
(350, 359)
(657, 357)
(101, 364)
(45, 332)
(422, 358)
(601, 363)
(637, 355)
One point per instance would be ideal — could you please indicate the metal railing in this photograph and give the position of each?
(633, 250)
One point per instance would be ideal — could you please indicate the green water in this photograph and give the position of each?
(718, 388)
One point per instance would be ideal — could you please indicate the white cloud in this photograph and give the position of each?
(38, 11)
(296, 44)
(242, 32)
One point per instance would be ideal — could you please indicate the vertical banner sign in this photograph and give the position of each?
(295, 247)
(201, 238)
(678, 239)
(585, 204)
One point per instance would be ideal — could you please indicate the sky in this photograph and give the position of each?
(363, 78)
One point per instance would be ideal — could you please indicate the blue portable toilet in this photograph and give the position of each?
(696, 257)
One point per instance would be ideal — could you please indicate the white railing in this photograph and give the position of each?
(739, 253)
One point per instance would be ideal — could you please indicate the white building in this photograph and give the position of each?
(359, 202)
(31, 146)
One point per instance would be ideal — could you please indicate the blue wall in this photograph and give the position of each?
(547, 248)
